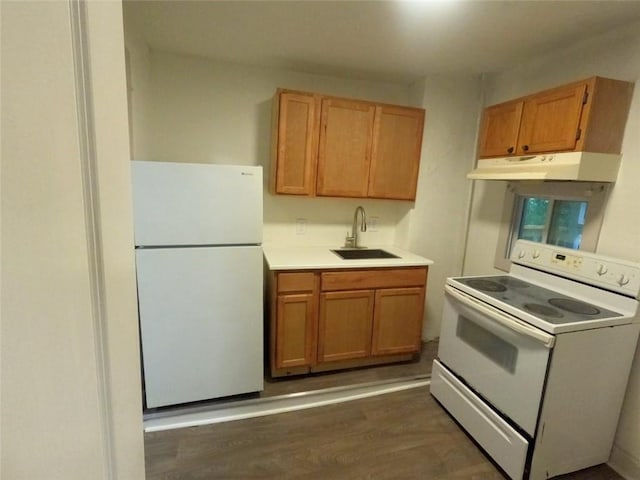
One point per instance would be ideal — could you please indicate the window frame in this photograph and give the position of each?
(594, 193)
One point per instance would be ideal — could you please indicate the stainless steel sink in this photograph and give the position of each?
(363, 253)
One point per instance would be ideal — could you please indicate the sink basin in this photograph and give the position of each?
(363, 253)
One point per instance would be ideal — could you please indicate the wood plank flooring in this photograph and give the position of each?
(403, 435)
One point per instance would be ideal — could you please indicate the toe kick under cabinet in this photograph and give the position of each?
(331, 319)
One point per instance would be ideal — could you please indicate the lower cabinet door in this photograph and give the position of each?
(397, 321)
(344, 325)
(295, 330)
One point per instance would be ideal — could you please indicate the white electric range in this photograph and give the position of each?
(534, 364)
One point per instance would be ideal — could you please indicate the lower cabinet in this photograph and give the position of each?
(344, 327)
(331, 319)
(397, 322)
(295, 322)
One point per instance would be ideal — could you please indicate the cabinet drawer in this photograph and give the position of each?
(296, 282)
(374, 278)
(499, 439)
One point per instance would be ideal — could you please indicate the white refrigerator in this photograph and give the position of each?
(198, 235)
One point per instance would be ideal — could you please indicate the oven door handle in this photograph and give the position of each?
(502, 318)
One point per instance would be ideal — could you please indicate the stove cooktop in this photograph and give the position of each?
(551, 306)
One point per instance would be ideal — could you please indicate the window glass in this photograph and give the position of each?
(567, 223)
(488, 344)
(553, 221)
(567, 214)
(533, 222)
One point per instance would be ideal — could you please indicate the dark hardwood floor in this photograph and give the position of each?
(403, 435)
(400, 435)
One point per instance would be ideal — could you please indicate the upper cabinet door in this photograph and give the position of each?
(340, 147)
(395, 156)
(296, 143)
(588, 115)
(344, 153)
(550, 121)
(500, 128)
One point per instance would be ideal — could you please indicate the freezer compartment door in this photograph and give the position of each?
(501, 441)
(201, 322)
(196, 204)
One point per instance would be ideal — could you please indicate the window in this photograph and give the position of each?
(567, 214)
(545, 220)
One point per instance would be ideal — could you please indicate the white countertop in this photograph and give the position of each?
(321, 257)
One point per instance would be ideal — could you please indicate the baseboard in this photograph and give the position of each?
(240, 410)
(625, 464)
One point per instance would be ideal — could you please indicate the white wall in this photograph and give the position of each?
(70, 404)
(215, 112)
(115, 298)
(212, 112)
(139, 91)
(615, 55)
(437, 225)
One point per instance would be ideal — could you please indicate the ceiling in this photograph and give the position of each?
(396, 41)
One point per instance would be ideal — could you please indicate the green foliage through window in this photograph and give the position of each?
(535, 212)
(556, 222)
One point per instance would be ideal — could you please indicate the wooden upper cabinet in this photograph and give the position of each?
(295, 143)
(344, 154)
(551, 121)
(589, 115)
(338, 147)
(395, 154)
(500, 128)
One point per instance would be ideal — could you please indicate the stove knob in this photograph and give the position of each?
(602, 269)
(623, 280)
(522, 254)
(536, 253)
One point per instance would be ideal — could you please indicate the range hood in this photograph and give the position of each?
(580, 166)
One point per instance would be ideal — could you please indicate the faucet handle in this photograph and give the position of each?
(349, 241)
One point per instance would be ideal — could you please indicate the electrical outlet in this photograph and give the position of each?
(372, 224)
(301, 226)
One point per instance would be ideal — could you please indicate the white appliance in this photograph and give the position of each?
(534, 364)
(198, 235)
(579, 166)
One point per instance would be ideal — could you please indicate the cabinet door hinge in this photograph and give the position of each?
(578, 134)
(585, 98)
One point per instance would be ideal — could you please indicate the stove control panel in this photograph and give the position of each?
(590, 268)
(564, 260)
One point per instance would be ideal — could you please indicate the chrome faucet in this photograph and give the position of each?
(352, 241)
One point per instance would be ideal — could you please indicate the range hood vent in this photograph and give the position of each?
(579, 166)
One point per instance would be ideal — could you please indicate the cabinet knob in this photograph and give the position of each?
(510, 150)
(525, 148)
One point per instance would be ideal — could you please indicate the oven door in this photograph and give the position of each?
(499, 356)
